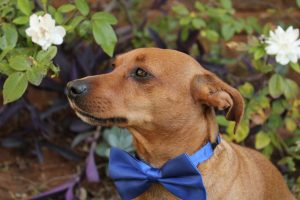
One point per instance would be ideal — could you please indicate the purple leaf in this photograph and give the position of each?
(157, 39)
(61, 188)
(51, 85)
(158, 3)
(58, 105)
(79, 126)
(12, 142)
(91, 168)
(86, 62)
(201, 48)
(36, 119)
(218, 69)
(64, 59)
(80, 138)
(66, 153)
(184, 46)
(74, 73)
(9, 110)
(69, 194)
(38, 151)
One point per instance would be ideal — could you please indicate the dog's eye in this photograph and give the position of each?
(141, 74)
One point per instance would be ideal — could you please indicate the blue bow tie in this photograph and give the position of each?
(179, 176)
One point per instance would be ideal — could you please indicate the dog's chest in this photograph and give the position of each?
(158, 192)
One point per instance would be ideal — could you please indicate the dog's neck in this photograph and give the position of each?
(157, 148)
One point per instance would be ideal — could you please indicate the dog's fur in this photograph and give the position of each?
(172, 112)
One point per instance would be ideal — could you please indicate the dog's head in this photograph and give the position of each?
(152, 88)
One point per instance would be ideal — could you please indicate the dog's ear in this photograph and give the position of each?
(212, 91)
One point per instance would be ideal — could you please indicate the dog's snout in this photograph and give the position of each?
(77, 88)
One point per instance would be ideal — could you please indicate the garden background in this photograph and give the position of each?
(44, 145)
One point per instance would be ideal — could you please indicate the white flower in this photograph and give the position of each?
(43, 31)
(284, 44)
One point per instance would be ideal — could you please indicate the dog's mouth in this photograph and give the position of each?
(101, 121)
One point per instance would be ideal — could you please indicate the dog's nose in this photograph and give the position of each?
(76, 88)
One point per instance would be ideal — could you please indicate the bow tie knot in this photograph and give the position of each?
(179, 176)
(153, 175)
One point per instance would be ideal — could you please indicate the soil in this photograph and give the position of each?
(23, 176)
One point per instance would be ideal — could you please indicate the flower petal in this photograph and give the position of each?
(29, 32)
(293, 57)
(34, 21)
(272, 49)
(47, 22)
(279, 31)
(43, 31)
(57, 35)
(46, 45)
(282, 59)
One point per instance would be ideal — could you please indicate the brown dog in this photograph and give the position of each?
(166, 99)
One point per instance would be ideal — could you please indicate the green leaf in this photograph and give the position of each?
(259, 53)
(252, 24)
(261, 66)
(66, 8)
(198, 23)
(34, 76)
(238, 25)
(274, 121)
(221, 120)
(48, 55)
(227, 31)
(51, 10)
(75, 22)
(274, 139)
(9, 38)
(290, 89)
(290, 124)
(268, 151)
(266, 29)
(242, 131)
(5, 69)
(210, 34)
(262, 140)
(24, 6)
(184, 33)
(199, 6)
(180, 9)
(14, 87)
(295, 66)
(226, 4)
(247, 90)
(19, 63)
(276, 85)
(289, 161)
(21, 20)
(82, 6)
(84, 28)
(298, 3)
(59, 18)
(105, 36)
(54, 69)
(185, 20)
(278, 107)
(103, 149)
(118, 137)
(105, 17)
